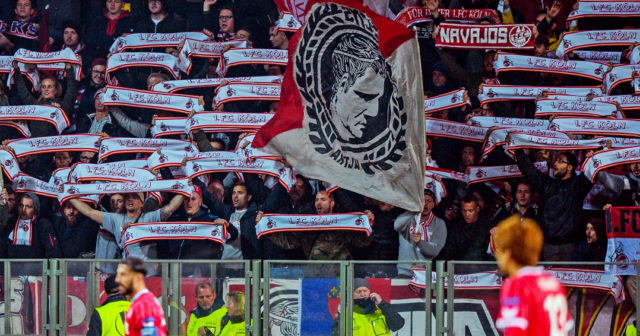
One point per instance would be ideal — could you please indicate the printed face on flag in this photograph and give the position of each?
(349, 91)
(351, 107)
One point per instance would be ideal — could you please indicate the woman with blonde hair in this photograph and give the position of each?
(235, 315)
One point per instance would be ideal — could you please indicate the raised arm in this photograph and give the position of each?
(530, 171)
(71, 92)
(138, 129)
(168, 210)
(86, 210)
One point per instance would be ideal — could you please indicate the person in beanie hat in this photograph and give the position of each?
(371, 314)
(108, 318)
(26, 235)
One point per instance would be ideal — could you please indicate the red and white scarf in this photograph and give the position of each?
(65, 55)
(194, 168)
(272, 223)
(446, 101)
(626, 102)
(597, 126)
(112, 146)
(445, 173)
(235, 57)
(227, 121)
(491, 93)
(19, 126)
(60, 176)
(483, 174)
(572, 108)
(47, 113)
(26, 183)
(153, 40)
(184, 84)
(599, 56)
(179, 186)
(596, 38)
(22, 233)
(288, 23)
(511, 62)
(138, 232)
(436, 187)
(9, 164)
(58, 143)
(245, 149)
(163, 126)
(609, 158)
(422, 226)
(85, 172)
(634, 55)
(609, 9)
(568, 277)
(6, 67)
(498, 137)
(620, 74)
(450, 129)
(503, 122)
(142, 59)
(413, 15)
(621, 142)
(207, 49)
(478, 36)
(247, 91)
(173, 158)
(522, 140)
(152, 100)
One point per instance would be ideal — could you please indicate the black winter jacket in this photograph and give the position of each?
(562, 201)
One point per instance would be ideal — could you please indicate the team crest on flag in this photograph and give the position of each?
(351, 110)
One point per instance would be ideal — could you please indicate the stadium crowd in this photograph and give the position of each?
(456, 223)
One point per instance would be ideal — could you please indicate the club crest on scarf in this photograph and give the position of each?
(356, 116)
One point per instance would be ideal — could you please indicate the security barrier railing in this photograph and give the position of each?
(596, 300)
(57, 297)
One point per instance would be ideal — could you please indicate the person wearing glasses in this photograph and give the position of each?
(563, 195)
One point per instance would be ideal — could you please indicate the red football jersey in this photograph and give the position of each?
(144, 306)
(533, 302)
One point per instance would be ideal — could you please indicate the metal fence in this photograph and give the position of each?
(57, 297)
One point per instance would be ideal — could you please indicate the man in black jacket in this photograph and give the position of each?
(195, 249)
(76, 233)
(108, 319)
(469, 237)
(27, 235)
(160, 20)
(563, 196)
(241, 215)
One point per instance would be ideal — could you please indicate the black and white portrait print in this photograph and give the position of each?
(355, 114)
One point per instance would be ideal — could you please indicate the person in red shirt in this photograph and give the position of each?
(145, 316)
(532, 301)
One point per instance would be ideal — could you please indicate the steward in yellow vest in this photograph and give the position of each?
(206, 319)
(108, 319)
(209, 319)
(371, 314)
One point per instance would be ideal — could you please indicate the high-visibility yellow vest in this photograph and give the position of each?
(372, 324)
(211, 322)
(112, 316)
(234, 329)
(631, 330)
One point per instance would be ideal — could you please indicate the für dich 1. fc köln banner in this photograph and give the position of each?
(623, 235)
(351, 110)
